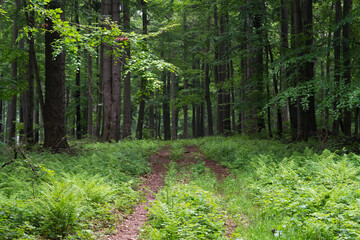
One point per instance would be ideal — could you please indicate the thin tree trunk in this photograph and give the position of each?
(291, 102)
(185, 107)
(309, 65)
(141, 115)
(127, 83)
(283, 50)
(166, 109)
(11, 111)
(100, 88)
(225, 107)
(37, 121)
(208, 99)
(173, 110)
(219, 116)
(77, 82)
(29, 118)
(268, 92)
(90, 97)
(347, 63)
(356, 122)
(185, 110)
(337, 62)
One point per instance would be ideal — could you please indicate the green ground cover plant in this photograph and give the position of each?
(58, 196)
(185, 208)
(280, 191)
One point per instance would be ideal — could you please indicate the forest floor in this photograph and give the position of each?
(129, 229)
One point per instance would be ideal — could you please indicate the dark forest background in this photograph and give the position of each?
(168, 69)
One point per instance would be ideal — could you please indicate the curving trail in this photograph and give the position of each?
(129, 228)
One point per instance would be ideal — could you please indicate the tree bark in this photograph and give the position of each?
(284, 48)
(77, 82)
(219, 115)
(29, 118)
(111, 78)
(141, 115)
(90, 97)
(54, 115)
(208, 99)
(127, 83)
(166, 109)
(347, 63)
(11, 111)
(337, 63)
(173, 110)
(100, 101)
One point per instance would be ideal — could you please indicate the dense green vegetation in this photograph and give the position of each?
(276, 191)
(287, 191)
(71, 197)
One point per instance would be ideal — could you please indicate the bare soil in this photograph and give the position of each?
(129, 228)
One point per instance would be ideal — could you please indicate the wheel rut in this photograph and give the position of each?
(129, 228)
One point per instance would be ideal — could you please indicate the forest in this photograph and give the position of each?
(179, 119)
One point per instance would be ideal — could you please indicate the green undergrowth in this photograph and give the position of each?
(58, 196)
(187, 207)
(280, 191)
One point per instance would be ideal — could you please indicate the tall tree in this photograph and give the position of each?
(141, 115)
(54, 112)
(77, 82)
(127, 83)
(11, 111)
(347, 63)
(111, 78)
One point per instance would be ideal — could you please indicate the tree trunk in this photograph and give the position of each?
(100, 87)
(173, 110)
(11, 111)
(185, 110)
(166, 109)
(219, 115)
(29, 118)
(37, 121)
(337, 62)
(347, 63)
(77, 82)
(309, 65)
(283, 50)
(111, 78)
(208, 99)
(54, 115)
(291, 102)
(90, 97)
(141, 115)
(127, 83)
(185, 107)
(225, 95)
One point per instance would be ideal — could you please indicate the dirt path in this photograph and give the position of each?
(129, 228)
(192, 154)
